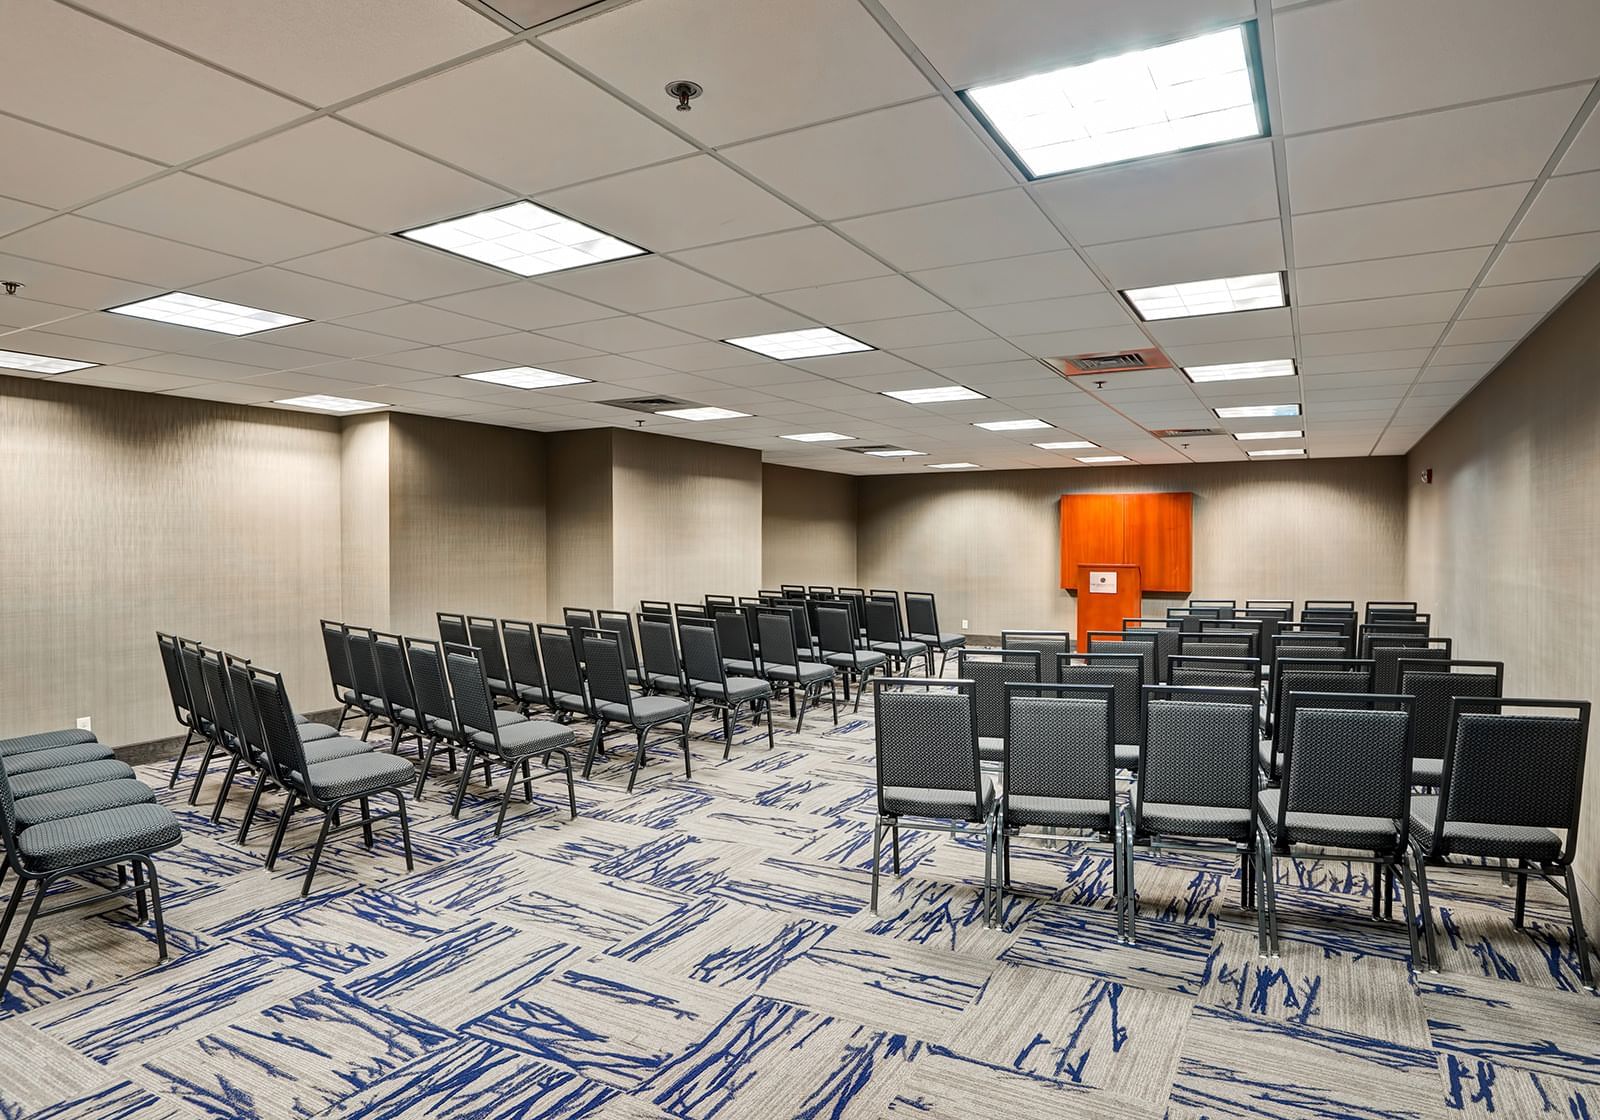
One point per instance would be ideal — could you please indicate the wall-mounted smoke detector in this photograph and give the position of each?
(1117, 361)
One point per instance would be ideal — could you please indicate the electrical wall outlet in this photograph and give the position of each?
(963, 624)
(83, 724)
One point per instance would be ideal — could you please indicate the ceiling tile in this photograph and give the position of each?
(732, 318)
(1416, 225)
(917, 330)
(331, 168)
(421, 323)
(1533, 298)
(227, 391)
(1396, 311)
(1068, 314)
(1091, 340)
(1219, 186)
(1234, 350)
(901, 156)
(521, 118)
(1584, 153)
(1549, 258)
(129, 379)
(74, 349)
(524, 305)
(122, 330)
(397, 268)
(332, 339)
(75, 242)
(985, 227)
(881, 297)
(780, 261)
(1197, 255)
(1568, 204)
(970, 45)
(1271, 322)
(15, 215)
(1385, 59)
(1358, 363)
(695, 357)
(20, 311)
(641, 284)
(759, 60)
(621, 335)
(1394, 276)
(1432, 153)
(1014, 280)
(70, 287)
(313, 50)
(525, 349)
(1499, 328)
(1368, 341)
(694, 201)
(73, 72)
(52, 169)
(291, 293)
(953, 354)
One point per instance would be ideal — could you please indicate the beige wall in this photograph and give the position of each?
(1505, 544)
(125, 513)
(579, 520)
(686, 519)
(466, 521)
(808, 527)
(988, 543)
(364, 520)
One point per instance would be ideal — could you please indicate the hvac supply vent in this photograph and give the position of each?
(648, 404)
(1187, 433)
(1114, 362)
(867, 449)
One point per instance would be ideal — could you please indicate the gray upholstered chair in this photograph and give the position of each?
(1059, 771)
(564, 677)
(990, 671)
(1197, 780)
(1387, 651)
(514, 744)
(782, 665)
(620, 623)
(1124, 672)
(452, 629)
(1311, 674)
(655, 608)
(1116, 641)
(1437, 684)
(922, 622)
(615, 704)
(1050, 644)
(709, 683)
(369, 686)
(1165, 639)
(927, 770)
(182, 706)
(1347, 785)
(733, 639)
(521, 643)
(661, 663)
(395, 673)
(838, 643)
(1198, 671)
(1511, 778)
(885, 636)
(577, 618)
(438, 709)
(338, 655)
(484, 633)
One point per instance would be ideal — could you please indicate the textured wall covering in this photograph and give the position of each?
(988, 544)
(1503, 544)
(808, 527)
(579, 519)
(466, 521)
(364, 519)
(124, 513)
(686, 517)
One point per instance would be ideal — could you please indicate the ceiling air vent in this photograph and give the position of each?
(1114, 362)
(1187, 433)
(648, 404)
(867, 449)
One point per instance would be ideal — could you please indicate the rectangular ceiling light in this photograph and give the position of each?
(526, 377)
(216, 315)
(818, 437)
(1208, 297)
(1187, 94)
(39, 363)
(951, 466)
(1240, 371)
(937, 394)
(895, 453)
(1103, 459)
(1011, 425)
(813, 342)
(324, 403)
(1066, 445)
(1268, 435)
(703, 413)
(1255, 411)
(1278, 453)
(523, 239)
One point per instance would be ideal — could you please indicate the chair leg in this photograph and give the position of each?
(638, 756)
(595, 742)
(766, 706)
(1520, 910)
(572, 792)
(405, 829)
(894, 841)
(200, 775)
(877, 849)
(427, 764)
(316, 852)
(1377, 888)
(227, 784)
(527, 779)
(366, 822)
(1261, 898)
(833, 694)
(22, 937)
(141, 907)
(505, 799)
(250, 809)
(188, 741)
(367, 727)
(282, 829)
(805, 702)
(685, 738)
(1581, 941)
(727, 730)
(11, 907)
(1411, 911)
(461, 785)
(1421, 866)
(988, 872)
(861, 688)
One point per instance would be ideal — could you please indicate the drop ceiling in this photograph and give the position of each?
(1430, 187)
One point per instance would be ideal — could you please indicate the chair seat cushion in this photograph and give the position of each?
(44, 740)
(663, 682)
(531, 736)
(531, 694)
(1332, 830)
(298, 718)
(807, 672)
(1206, 821)
(1266, 754)
(1427, 771)
(735, 667)
(326, 750)
(312, 732)
(83, 799)
(97, 837)
(739, 690)
(907, 648)
(358, 774)
(647, 710)
(991, 748)
(1127, 755)
(942, 804)
(942, 641)
(1062, 812)
(67, 777)
(57, 756)
(864, 659)
(1473, 838)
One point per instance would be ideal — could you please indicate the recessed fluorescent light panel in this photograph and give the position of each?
(1103, 459)
(186, 310)
(1268, 435)
(1187, 94)
(523, 239)
(813, 342)
(938, 394)
(1208, 297)
(1240, 371)
(895, 453)
(324, 403)
(39, 363)
(706, 413)
(1256, 411)
(526, 377)
(1278, 453)
(1066, 445)
(1011, 425)
(951, 466)
(818, 437)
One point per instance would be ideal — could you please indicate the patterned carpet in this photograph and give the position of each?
(702, 949)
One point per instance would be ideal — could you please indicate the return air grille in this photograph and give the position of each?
(1114, 362)
(1187, 433)
(649, 404)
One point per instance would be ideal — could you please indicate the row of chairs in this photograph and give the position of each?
(1510, 781)
(70, 810)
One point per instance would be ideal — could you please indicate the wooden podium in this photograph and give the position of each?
(1107, 594)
